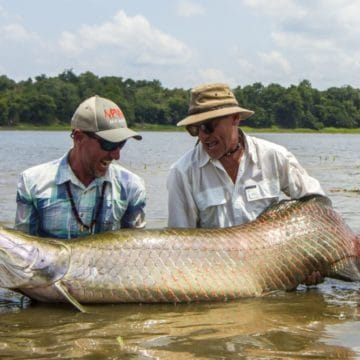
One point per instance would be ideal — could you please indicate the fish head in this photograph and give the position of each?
(27, 261)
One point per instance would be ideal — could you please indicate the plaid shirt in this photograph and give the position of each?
(44, 207)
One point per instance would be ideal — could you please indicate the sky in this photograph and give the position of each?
(184, 43)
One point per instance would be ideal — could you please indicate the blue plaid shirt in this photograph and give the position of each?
(44, 207)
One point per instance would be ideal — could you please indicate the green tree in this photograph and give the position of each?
(177, 103)
(63, 93)
(6, 83)
(4, 112)
(37, 109)
(150, 103)
(289, 111)
(46, 100)
(68, 76)
(89, 85)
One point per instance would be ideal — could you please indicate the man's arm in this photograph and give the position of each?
(26, 216)
(134, 216)
(182, 209)
(295, 181)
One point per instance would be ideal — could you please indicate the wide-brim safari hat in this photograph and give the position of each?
(104, 118)
(210, 101)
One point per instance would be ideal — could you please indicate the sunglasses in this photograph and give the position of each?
(207, 127)
(104, 144)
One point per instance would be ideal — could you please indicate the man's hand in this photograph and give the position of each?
(314, 278)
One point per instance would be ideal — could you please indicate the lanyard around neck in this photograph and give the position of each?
(76, 213)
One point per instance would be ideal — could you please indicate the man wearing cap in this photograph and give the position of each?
(84, 192)
(229, 177)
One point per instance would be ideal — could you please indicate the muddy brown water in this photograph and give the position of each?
(319, 322)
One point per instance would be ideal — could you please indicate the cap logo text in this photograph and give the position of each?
(113, 113)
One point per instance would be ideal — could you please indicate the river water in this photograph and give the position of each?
(317, 322)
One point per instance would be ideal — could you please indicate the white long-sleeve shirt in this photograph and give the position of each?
(201, 193)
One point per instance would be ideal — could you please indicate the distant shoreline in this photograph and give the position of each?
(172, 128)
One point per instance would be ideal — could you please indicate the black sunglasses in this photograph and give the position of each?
(207, 127)
(104, 144)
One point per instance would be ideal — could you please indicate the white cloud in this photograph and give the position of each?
(278, 9)
(264, 67)
(69, 44)
(12, 29)
(245, 68)
(6, 17)
(280, 41)
(126, 37)
(318, 18)
(214, 75)
(188, 8)
(15, 32)
(348, 17)
(3, 13)
(318, 40)
(276, 60)
(301, 42)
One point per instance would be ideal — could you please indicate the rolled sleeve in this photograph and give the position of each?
(134, 216)
(296, 182)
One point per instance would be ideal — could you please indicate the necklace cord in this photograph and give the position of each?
(75, 211)
(229, 153)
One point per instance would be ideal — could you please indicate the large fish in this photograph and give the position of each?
(278, 251)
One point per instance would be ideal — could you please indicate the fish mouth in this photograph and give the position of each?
(24, 265)
(15, 271)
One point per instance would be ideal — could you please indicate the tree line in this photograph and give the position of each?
(52, 100)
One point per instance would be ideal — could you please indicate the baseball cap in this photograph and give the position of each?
(104, 118)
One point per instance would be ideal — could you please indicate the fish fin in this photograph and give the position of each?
(69, 297)
(288, 204)
(346, 269)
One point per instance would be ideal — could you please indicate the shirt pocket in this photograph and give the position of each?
(54, 217)
(113, 211)
(210, 204)
(260, 195)
(265, 189)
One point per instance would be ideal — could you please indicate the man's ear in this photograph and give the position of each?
(236, 120)
(77, 135)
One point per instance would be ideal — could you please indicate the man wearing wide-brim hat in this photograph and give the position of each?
(229, 177)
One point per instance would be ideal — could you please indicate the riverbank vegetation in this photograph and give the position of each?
(165, 128)
(49, 102)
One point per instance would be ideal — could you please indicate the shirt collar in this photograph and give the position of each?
(204, 158)
(250, 148)
(64, 172)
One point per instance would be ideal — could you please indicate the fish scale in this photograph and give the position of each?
(278, 251)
